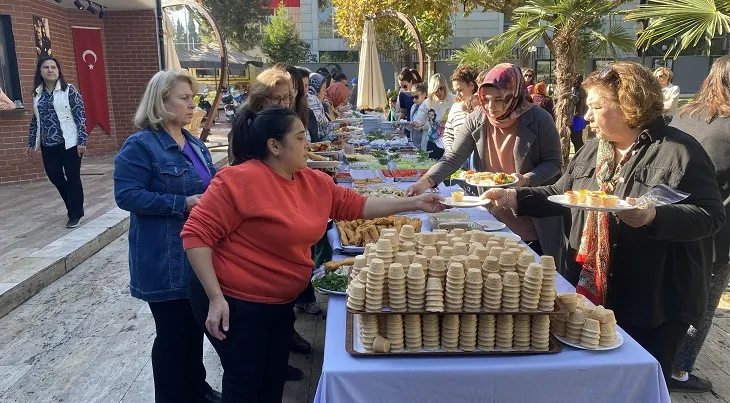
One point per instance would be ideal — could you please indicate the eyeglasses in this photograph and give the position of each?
(606, 71)
(528, 75)
(404, 87)
(286, 99)
(442, 88)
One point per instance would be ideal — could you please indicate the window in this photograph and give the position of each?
(661, 62)
(327, 26)
(9, 79)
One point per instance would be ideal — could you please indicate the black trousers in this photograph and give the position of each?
(177, 354)
(63, 168)
(434, 152)
(255, 352)
(662, 342)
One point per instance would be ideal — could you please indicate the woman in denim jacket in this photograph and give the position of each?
(159, 176)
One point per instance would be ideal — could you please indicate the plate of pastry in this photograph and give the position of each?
(458, 199)
(591, 200)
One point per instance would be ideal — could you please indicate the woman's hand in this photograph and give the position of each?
(190, 202)
(29, 152)
(522, 180)
(217, 318)
(430, 203)
(81, 150)
(417, 124)
(637, 218)
(419, 187)
(501, 198)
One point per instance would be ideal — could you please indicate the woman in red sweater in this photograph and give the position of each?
(249, 241)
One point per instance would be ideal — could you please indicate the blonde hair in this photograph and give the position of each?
(151, 111)
(264, 86)
(664, 70)
(434, 83)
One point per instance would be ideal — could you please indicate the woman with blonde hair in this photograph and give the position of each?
(707, 119)
(669, 91)
(647, 265)
(272, 88)
(432, 115)
(159, 176)
(541, 98)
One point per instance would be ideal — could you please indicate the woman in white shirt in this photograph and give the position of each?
(432, 115)
(464, 82)
(670, 91)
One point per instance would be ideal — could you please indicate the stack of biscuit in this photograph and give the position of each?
(450, 332)
(608, 329)
(381, 345)
(411, 255)
(407, 234)
(526, 258)
(466, 237)
(473, 262)
(368, 331)
(397, 295)
(468, 333)
(402, 258)
(384, 251)
(490, 266)
(454, 240)
(486, 331)
(559, 324)
(374, 286)
(454, 292)
(431, 333)
(591, 334)
(547, 291)
(440, 245)
(360, 262)
(382, 326)
(446, 252)
(363, 275)
(504, 334)
(369, 248)
(437, 269)
(481, 252)
(458, 231)
(492, 293)
(496, 251)
(408, 246)
(434, 295)
(481, 237)
(429, 251)
(420, 259)
(473, 291)
(574, 329)
(507, 262)
(531, 287)
(356, 296)
(521, 333)
(426, 239)
(460, 248)
(491, 244)
(540, 329)
(510, 292)
(570, 300)
(416, 287)
(441, 234)
(473, 247)
(414, 337)
(394, 332)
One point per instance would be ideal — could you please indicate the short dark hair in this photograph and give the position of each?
(340, 77)
(251, 131)
(410, 75)
(422, 88)
(305, 72)
(38, 79)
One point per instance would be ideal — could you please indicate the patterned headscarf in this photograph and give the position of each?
(508, 79)
(337, 94)
(315, 83)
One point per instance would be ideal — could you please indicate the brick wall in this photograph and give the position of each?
(130, 47)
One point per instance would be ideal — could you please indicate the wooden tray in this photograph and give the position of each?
(559, 308)
(350, 334)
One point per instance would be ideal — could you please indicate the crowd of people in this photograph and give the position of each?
(229, 253)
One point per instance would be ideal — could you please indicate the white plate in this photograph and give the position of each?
(351, 133)
(619, 341)
(328, 153)
(505, 185)
(490, 225)
(563, 200)
(323, 164)
(348, 121)
(467, 201)
(322, 290)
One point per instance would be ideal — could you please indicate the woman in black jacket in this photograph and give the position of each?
(648, 265)
(707, 118)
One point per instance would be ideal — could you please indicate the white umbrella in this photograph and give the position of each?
(371, 90)
(168, 32)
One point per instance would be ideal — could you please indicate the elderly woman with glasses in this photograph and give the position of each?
(432, 115)
(507, 134)
(648, 265)
(272, 87)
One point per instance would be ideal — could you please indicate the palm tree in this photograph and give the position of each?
(565, 26)
(685, 23)
(482, 55)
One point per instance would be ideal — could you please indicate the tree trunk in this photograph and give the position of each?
(524, 58)
(565, 53)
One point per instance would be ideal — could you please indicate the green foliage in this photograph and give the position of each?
(282, 42)
(685, 24)
(338, 56)
(240, 21)
(482, 55)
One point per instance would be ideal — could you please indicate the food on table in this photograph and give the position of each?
(331, 281)
(591, 198)
(388, 192)
(609, 201)
(489, 178)
(345, 129)
(367, 181)
(406, 173)
(362, 232)
(334, 265)
(316, 157)
(573, 197)
(457, 196)
(359, 158)
(584, 323)
(323, 146)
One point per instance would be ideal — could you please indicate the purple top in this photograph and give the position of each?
(200, 167)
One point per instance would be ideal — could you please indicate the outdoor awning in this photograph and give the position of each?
(208, 56)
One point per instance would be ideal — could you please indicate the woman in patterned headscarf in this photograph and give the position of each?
(336, 96)
(314, 99)
(651, 266)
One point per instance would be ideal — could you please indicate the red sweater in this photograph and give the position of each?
(261, 226)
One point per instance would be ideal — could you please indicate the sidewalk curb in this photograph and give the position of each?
(29, 275)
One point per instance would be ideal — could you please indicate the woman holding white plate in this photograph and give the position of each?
(508, 134)
(650, 266)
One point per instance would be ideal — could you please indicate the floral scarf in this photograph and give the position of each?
(508, 79)
(337, 94)
(594, 253)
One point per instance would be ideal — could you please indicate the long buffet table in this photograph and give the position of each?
(626, 374)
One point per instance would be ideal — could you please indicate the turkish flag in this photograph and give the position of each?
(92, 77)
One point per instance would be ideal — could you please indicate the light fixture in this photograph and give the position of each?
(91, 8)
(78, 4)
(101, 13)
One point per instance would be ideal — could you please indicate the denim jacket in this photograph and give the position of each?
(152, 179)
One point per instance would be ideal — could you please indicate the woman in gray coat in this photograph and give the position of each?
(508, 135)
